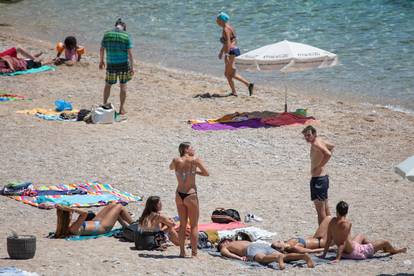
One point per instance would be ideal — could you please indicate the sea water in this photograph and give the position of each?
(374, 39)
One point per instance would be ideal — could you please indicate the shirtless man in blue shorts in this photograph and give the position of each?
(320, 153)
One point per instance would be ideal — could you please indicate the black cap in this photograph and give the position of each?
(120, 22)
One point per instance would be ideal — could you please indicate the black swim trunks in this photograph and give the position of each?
(319, 186)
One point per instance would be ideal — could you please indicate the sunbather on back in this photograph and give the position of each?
(152, 219)
(10, 62)
(313, 244)
(259, 252)
(186, 168)
(358, 248)
(102, 223)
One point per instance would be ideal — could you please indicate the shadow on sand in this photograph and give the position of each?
(158, 256)
(210, 96)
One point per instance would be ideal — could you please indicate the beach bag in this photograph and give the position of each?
(128, 233)
(82, 114)
(149, 240)
(61, 105)
(104, 114)
(143, 239)
(221, 215)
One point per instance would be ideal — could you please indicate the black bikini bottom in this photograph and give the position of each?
(184, 195)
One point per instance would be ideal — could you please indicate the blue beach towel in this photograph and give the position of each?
(82, 238)
(14, 271)
(77, 199)
(317, 261)
(30, 71)
(53, 118)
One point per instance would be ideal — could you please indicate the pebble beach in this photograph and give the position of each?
(263, 171)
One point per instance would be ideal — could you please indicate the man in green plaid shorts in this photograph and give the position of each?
(119, 61)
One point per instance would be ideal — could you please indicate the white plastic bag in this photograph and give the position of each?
(101, 115)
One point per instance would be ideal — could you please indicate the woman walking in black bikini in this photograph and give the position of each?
(186, 167)
(230, 51)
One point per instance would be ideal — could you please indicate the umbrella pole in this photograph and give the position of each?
(284, 76)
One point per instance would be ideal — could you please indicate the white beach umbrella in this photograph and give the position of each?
(286, 57)
(406, 168)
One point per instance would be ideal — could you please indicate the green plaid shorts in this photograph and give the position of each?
(112, 77)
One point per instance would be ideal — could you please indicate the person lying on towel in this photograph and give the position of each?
(259, 252)
(102, 223)
(358, 248)
(10, 62)
(152, 219)
(313, 244)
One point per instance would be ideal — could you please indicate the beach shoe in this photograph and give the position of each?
(252, 217)
(255, 218)
(251, 86)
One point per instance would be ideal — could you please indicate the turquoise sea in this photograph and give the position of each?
(374, 39)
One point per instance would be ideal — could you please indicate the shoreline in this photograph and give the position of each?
(265, 84)
(263, 171)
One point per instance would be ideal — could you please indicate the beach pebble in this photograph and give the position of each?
(407, 263)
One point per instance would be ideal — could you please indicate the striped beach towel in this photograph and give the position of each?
(97, 194)
(6, 97)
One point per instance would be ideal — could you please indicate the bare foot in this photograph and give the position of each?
(309, 261)
(122, 112)
(38, 54)
(396, 251)
(281, 262)
(183, 255)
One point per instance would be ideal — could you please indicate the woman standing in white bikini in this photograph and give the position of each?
(186, 167)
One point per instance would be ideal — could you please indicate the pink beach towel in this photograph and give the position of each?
(221, 226)
(287, 118)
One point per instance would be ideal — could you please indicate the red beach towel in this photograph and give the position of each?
(287, 118)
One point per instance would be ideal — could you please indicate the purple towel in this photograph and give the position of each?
(251, 123)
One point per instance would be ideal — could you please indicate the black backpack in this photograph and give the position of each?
(143, 239)
(221, 215)
(128, 233)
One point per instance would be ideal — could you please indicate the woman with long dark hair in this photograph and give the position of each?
(152, 219)
(102, 223)
(186, 167)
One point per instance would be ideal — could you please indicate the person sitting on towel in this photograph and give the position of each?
(259, 252)
(358, 248)
(152, 219)
(10, 62)
(313, 244)
(102, 223)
